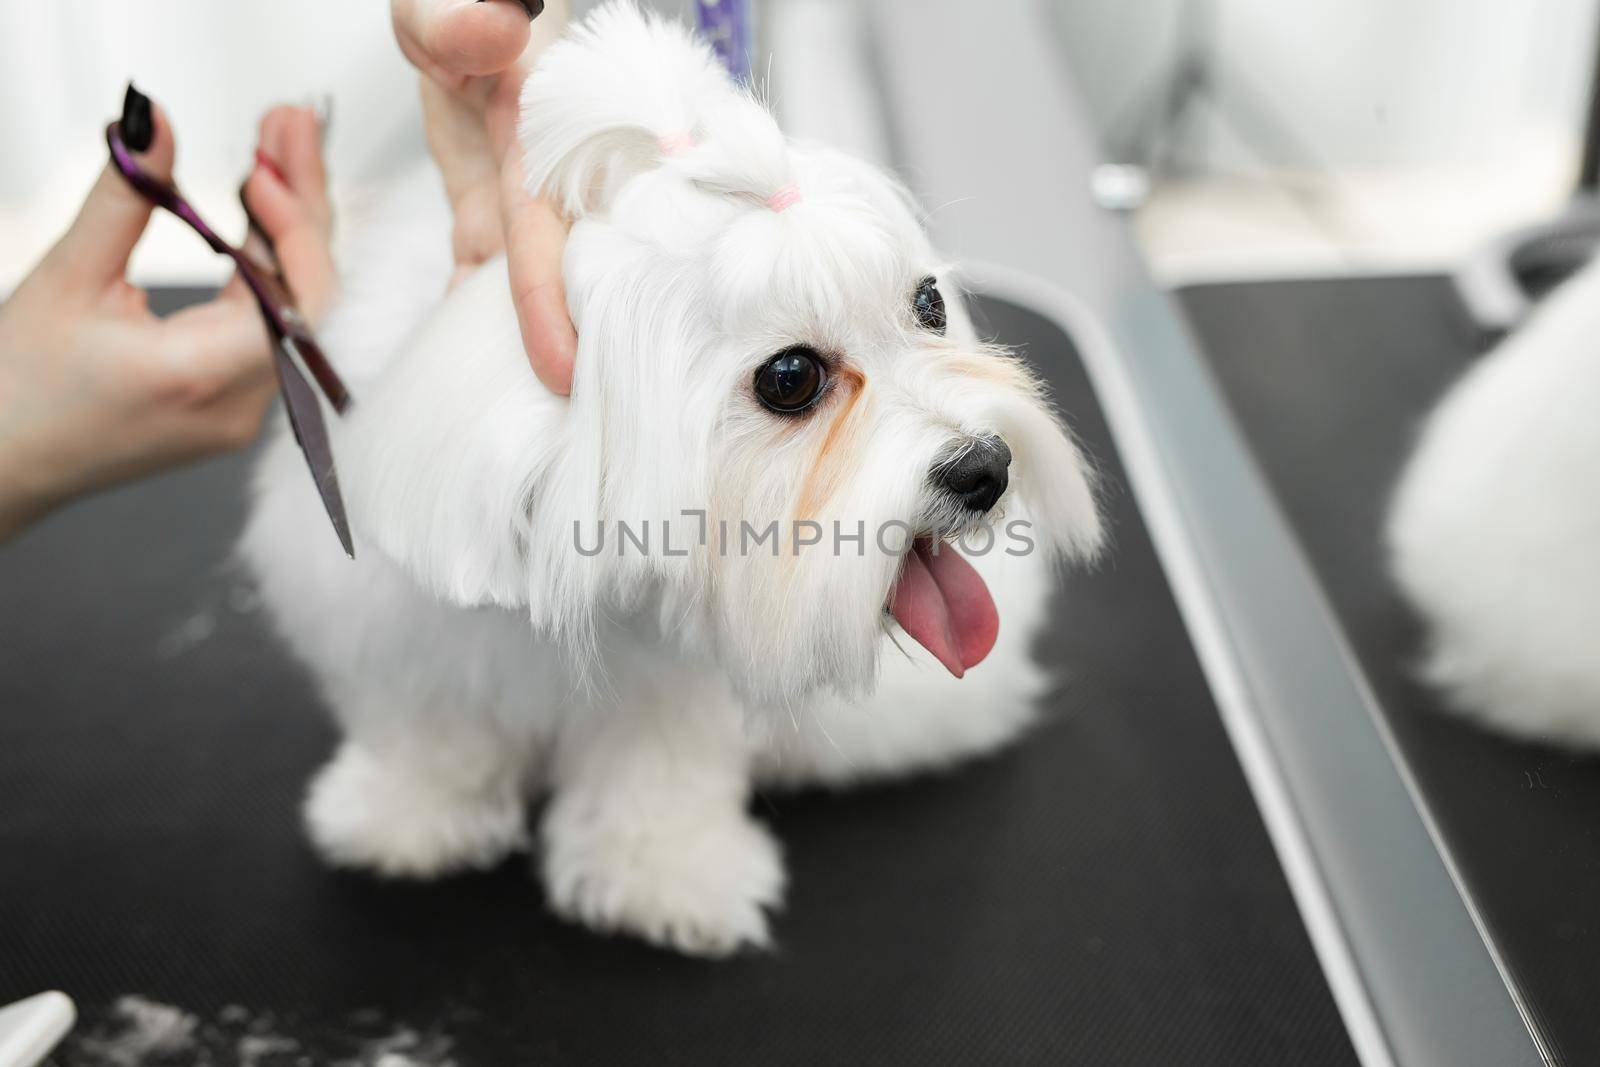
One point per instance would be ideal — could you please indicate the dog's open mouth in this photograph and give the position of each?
(944, 605)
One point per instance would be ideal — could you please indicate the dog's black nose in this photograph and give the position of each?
(977, 475)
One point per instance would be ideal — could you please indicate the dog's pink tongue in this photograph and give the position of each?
(941, 601)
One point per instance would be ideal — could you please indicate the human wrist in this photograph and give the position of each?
(24, 496)
(38, 465)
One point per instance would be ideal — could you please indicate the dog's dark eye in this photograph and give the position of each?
(791, 381)
(928, 305)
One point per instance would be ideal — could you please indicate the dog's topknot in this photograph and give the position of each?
(648, 93)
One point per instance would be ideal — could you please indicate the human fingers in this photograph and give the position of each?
(95, 250)
(454, 40)
(289, 201)
(535, 240)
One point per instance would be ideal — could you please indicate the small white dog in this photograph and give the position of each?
(1495, 530)
(641, 600)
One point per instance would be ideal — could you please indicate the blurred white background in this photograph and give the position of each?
(214, 66)
(1338, 133)
(1341, 133)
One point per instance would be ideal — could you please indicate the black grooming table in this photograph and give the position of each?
(1103, 894)
(1330, 380)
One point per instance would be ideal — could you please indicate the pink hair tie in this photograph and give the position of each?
(786, 197)
(675, 144)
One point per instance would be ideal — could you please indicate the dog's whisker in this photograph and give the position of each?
(928, 215)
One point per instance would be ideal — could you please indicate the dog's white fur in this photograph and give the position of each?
(474, 657)
(1495, 529)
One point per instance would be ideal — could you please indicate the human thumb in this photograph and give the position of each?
(114, 216)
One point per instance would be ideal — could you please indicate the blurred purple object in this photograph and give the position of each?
(726, 25)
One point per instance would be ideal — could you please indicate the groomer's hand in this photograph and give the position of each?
(95, 389)
(474, 56)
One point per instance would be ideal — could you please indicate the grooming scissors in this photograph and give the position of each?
(293, 344)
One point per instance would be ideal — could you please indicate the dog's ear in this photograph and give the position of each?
(614, 98)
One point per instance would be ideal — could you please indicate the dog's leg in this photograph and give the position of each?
(439, 707)
(647, 832)
(419, 803)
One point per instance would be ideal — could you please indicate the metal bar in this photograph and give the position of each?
(1589, 168)
(984, 113)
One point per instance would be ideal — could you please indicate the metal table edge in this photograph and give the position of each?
(1414, 975)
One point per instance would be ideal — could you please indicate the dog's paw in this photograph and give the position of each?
(363, 813)
(702, 889)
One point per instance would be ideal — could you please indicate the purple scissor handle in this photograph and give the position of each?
(293, 345)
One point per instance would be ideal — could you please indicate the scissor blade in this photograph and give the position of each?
(305, 415)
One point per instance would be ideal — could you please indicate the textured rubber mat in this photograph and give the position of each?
(1330, 381)
(1103, 894)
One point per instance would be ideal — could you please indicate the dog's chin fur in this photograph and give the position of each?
(1495, 529)
(473, 653)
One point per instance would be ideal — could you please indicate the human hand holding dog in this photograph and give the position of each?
(95, 389)
(474, 56)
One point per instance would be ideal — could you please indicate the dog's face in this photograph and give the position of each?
(781, 409)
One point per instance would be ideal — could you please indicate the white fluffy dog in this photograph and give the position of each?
(679, 582)
(1495, 531)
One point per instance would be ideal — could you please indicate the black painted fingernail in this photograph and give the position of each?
(534, 8)
(138, 121)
